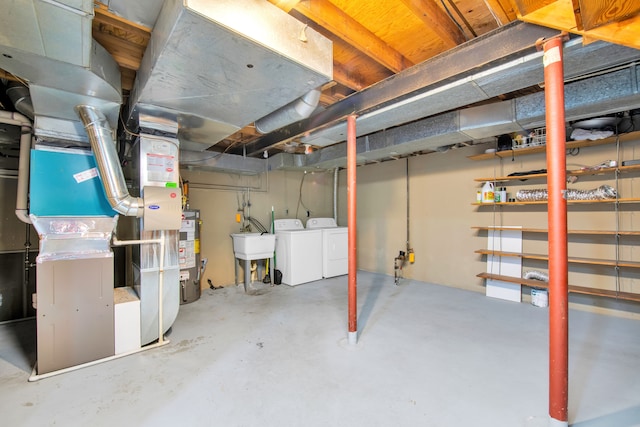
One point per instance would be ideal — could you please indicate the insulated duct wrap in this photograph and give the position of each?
(604, 192)
(536, 275)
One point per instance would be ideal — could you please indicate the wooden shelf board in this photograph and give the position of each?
(628, 296)
(518, 280)
(570, 202)
(544, 230)
(574, 260)
(576, 172)
(542, 148)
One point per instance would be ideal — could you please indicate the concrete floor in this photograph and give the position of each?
(427, 355)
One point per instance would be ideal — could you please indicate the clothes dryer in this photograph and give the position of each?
(335, 246)
(298, 252)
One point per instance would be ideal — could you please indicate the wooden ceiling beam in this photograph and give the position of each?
(526, 7)
(124, 40)
(335, 21)
(7, 75)
(126, 54)
(503, 13)
(562, 15)
(437, 20)
(120, 27)
(344, 77)
(596, 13)
(285, 5)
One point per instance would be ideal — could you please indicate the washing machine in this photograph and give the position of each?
(335, 246)
(298, 252)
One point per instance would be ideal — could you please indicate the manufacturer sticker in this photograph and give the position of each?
(154, 207)
(85, 175)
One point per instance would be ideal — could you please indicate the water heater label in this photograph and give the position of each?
(186, 254)
(188, 225)
(154, 207)
(85, 175)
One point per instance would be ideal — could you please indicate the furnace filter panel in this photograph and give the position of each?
(66, 184)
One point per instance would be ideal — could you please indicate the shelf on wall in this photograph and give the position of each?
(544, 230)
(571, 202)
(569, 145)
(574, 260)
(612, 265)
(577, 172)
(628, 296)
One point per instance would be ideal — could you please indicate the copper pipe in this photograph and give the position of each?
(557, 218)
(351, 223)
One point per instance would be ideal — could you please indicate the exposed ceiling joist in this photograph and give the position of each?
(615, 21)
(593, 14)
(345, 78)
(436, 20)
(126, 41)
(285, 5)
(502, 10)
(334, 20)
(374, 40)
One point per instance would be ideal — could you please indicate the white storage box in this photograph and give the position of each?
(126, 319)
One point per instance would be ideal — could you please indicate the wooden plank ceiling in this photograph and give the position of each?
(615, 21)
(373, 40)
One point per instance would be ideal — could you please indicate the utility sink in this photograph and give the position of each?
(250, 246)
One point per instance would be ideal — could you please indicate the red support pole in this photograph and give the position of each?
(351, 223)
(557, 218)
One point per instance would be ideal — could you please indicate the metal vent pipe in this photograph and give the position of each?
(104, 150)
(21, 98)
(297, 110)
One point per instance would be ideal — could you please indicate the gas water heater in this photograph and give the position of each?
(189, 256)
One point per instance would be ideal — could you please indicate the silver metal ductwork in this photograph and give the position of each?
(297, 110)
(222, 162)
(104, 150)
(462, 89)
(49, 44)
(602, 94)
(216, 66)
(21, 98)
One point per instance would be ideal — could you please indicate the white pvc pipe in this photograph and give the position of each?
(117, 242)
(36, 377)
(161, 290)
(17, 119)
(160, 241)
